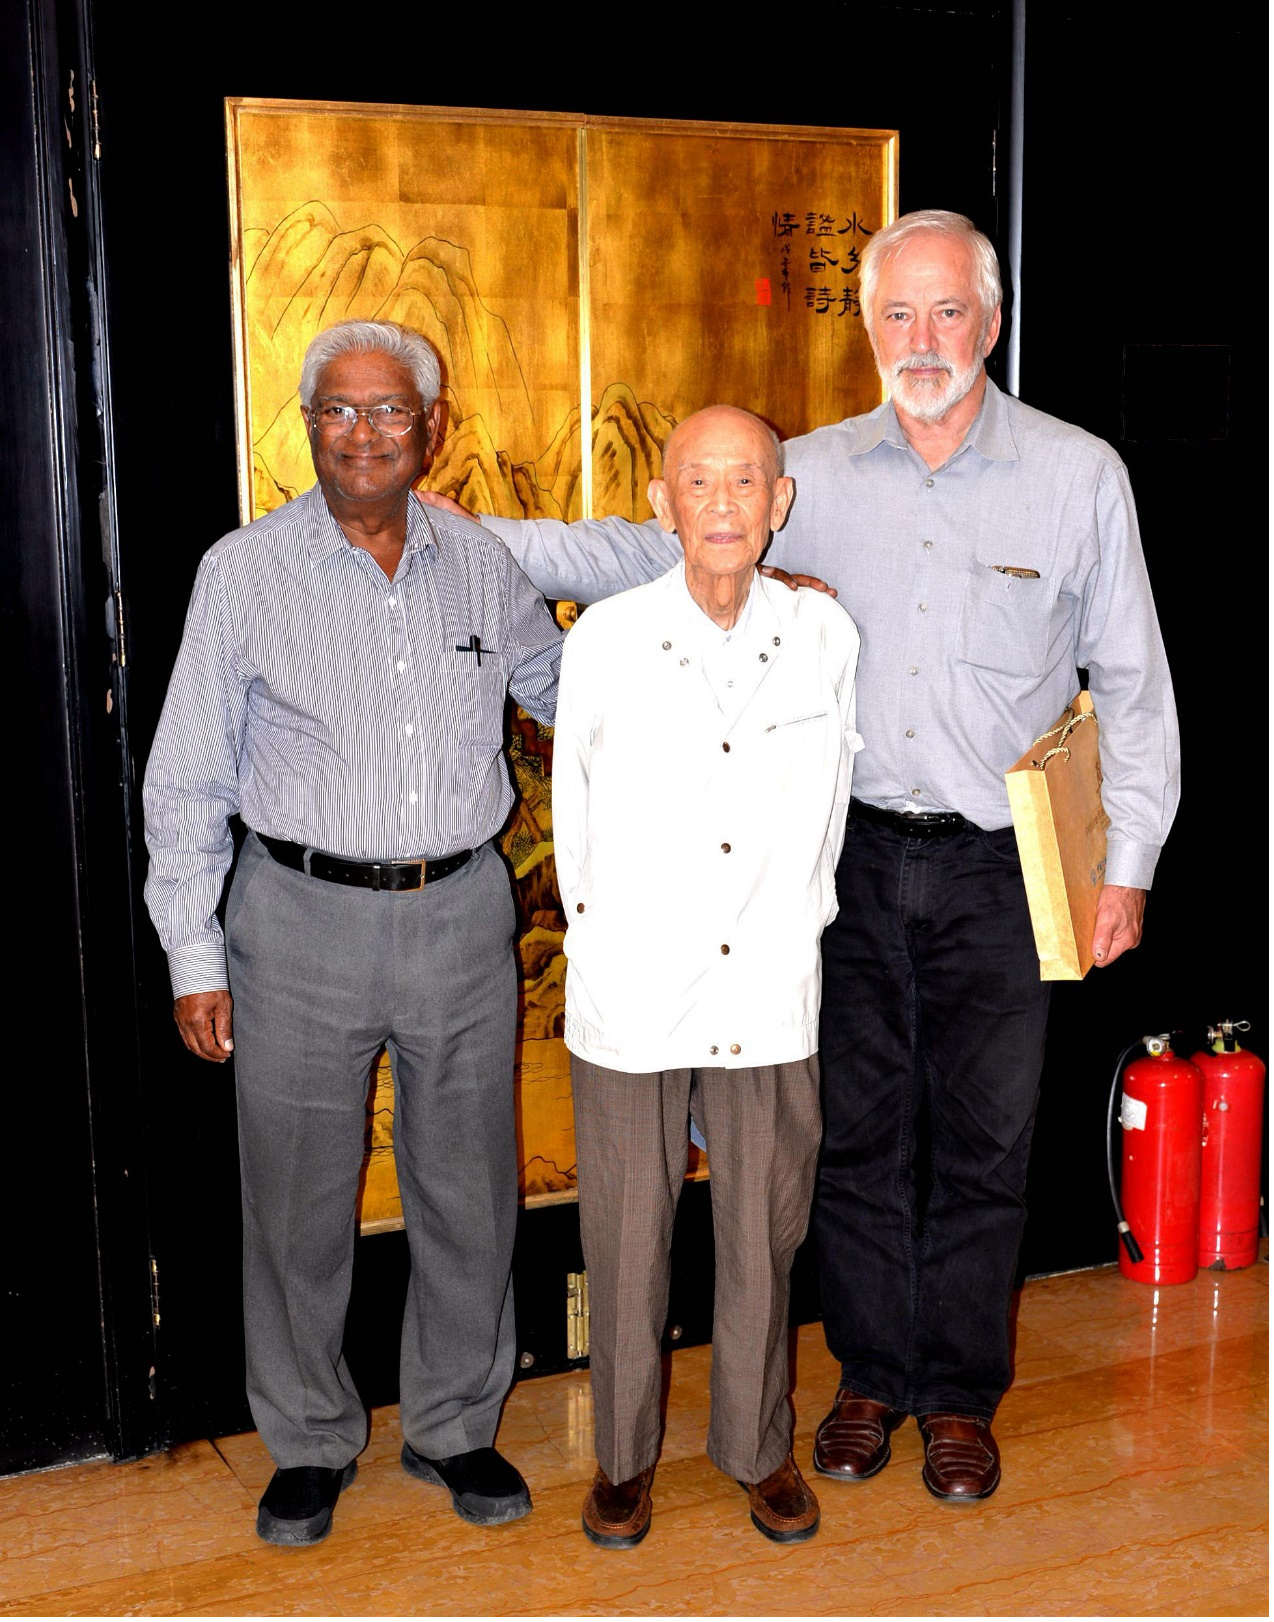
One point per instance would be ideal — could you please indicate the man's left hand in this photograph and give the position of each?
(1118, 927)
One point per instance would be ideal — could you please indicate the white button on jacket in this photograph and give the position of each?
(672, 846)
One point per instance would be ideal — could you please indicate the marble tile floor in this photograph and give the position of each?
(1135, 1454)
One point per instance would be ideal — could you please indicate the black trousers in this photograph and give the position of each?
(931, 996)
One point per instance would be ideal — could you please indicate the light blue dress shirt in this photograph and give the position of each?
(962, 665)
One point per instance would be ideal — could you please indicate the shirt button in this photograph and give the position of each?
(726, 748)
(725, 951)
(911, 732)
(409, 729)
(579, 906)
(924, 608)
(764, 658)
(402, 665)
(735, 1048)
(392, 601)
(928, 546)
(915, 793)
(685, 661)
(412, 797)
(928, 484)
(776, 641)
(726, 849)
(667, 645)
(714, 1050)
(914, 670)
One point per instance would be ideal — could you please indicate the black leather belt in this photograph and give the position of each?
(911, 824)
(366, 875)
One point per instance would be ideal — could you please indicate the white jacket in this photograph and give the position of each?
(696, 858)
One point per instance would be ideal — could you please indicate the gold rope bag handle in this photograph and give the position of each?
(1062, 732)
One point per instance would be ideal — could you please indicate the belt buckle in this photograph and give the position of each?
(379, 868)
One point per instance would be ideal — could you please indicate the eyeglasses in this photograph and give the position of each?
(333, 419)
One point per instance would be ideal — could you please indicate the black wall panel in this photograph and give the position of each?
(1137, 224)
(54, 1380)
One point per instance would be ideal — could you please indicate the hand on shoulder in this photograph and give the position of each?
(793, 581)
(434, 498)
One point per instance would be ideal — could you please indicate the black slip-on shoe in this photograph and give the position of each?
(296, 1507)
(485, 1488)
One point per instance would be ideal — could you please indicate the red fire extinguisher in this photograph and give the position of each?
(1233, 1119)
(1161, 1113)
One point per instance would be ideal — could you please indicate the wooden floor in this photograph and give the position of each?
(1135, 1457)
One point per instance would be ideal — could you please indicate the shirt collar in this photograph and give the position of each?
(991, 434)
(325, 536)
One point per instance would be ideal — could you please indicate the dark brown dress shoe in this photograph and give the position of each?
(962, 1462)
(852, 1443)
(783, 1508)
(618, 1516)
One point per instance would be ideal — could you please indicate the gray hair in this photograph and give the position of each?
(885, 244)
(400, 344)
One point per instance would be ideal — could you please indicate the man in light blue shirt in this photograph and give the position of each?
(986, 552)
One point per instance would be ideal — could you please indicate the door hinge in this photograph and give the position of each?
(577, 1315)
(121, 644)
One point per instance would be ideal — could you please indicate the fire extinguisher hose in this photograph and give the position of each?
(1125, 1232)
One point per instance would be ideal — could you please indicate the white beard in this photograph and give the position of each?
(929, 400)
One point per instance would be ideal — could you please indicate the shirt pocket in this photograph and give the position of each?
(478, 677)
(1004, 622)
(806, 718)
(798, 752)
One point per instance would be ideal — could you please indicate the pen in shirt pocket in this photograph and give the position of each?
(1018, 574)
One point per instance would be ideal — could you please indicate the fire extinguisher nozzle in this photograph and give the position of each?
(1135, 1253)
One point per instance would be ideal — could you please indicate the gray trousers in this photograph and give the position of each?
(322, 974)
(762, 1128)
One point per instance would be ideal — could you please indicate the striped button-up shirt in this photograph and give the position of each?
(978, 587)
(335, 708)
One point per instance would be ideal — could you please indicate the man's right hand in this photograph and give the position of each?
(432, 498)
(792, 581)
(204, 1020)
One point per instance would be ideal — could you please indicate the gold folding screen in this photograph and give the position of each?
(569, 269)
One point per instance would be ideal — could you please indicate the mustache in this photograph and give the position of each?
(926, 362)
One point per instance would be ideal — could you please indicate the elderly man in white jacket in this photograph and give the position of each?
(702, 763)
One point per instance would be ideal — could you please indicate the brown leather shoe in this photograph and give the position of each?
(962, 1462)
(783, 1508)
(618, 1517)
(852, 1443)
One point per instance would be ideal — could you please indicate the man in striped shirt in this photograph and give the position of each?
(341, 686)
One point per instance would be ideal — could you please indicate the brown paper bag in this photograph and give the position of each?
(1055, 797)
